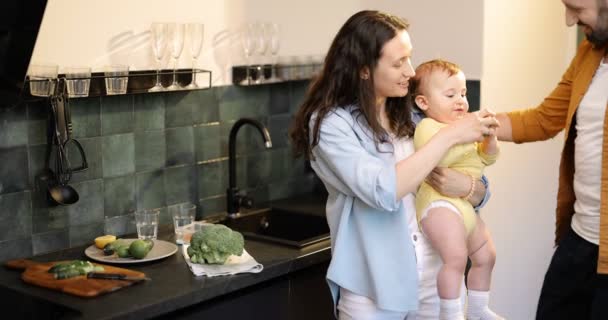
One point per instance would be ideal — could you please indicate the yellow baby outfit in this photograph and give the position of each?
(467, 158)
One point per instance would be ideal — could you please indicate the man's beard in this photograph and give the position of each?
(599, 36)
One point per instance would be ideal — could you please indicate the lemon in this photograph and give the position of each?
(101, 242)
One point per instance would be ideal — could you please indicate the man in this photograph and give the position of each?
(576, 283)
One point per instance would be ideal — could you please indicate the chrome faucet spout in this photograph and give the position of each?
(233, 199)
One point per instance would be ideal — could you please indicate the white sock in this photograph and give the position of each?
(477, 306)
(450, 309)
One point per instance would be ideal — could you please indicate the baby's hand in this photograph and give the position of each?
(490, 142)
(491, 133)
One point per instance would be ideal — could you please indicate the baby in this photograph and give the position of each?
(452, 226)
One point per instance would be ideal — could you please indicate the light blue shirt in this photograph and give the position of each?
(369, 228)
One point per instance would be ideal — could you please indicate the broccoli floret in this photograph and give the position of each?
(213, 244)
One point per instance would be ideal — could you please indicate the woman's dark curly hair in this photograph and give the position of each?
(356, 47)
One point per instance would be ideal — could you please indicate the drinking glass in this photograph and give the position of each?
(159, 43)
(146, 221)
(195, 35)
(261, 39)
(78, 81)
(176, 34)
(42, 79)
(274, 44)
(248, 43)
(183, 217)
(308, 66)
(117, 78)
(296, 68)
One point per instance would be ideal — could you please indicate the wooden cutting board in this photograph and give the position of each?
(36, 273)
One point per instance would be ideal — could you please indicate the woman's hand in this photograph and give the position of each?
(473, 127)
(449, 182)
(455, 184)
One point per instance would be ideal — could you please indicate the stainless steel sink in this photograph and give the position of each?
(295, 229)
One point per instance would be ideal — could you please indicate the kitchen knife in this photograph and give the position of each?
(114, 276)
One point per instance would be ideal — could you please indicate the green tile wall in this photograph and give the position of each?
(143, 151)
(146, 151)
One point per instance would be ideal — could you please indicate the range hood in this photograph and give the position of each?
(19, 25)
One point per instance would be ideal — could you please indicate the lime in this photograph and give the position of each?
(139, 249)
(123, 251)
(149, 243)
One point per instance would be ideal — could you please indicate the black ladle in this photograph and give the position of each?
(59, 191)
(63, 194)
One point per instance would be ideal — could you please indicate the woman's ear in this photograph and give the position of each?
(364, 73)
(421, 102)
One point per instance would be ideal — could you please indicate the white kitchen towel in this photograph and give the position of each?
(244, 263)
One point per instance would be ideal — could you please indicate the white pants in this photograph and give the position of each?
(352, 306)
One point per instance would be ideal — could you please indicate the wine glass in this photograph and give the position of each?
(261, 47)
(248, 43)
(195, 35)
(176, 34)
(159, 43)
(274, 44)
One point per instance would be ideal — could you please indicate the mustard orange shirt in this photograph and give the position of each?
(556, 113)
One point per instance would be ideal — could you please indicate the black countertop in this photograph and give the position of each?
(173, 285)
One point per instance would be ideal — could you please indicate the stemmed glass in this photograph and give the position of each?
(195, 35)
(159, 43)
(248, 42)
(176, 34)
(274, 43)
(261, 47)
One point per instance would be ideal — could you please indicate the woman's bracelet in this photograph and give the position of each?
(472, 191)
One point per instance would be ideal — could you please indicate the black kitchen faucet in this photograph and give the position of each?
(233, 198)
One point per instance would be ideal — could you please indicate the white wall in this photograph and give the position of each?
(98, 33)
(526, 49)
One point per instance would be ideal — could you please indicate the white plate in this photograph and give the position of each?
(161, 249)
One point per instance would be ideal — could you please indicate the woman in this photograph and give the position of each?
(356, 128)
